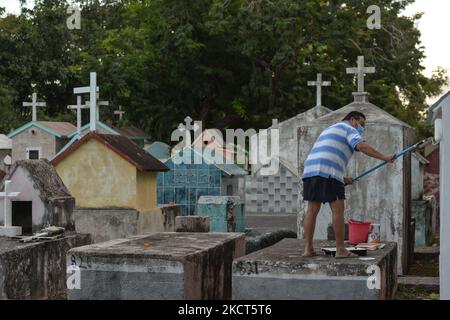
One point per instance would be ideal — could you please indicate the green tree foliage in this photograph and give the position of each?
(230, 63)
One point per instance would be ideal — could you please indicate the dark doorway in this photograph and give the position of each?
(22, 216)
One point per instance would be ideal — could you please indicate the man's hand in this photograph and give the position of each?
(389, 158)
(348, 181)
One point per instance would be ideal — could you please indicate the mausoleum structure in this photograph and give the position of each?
(384, 197)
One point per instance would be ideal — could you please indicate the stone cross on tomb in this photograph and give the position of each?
(186, 130)
(360, 71)
(120, 112)
(99, 104)
(79, 106)
(34, 104)
(319, 84)
(7, 229)
(92, 90)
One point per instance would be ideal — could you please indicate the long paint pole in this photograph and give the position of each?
(407, 150)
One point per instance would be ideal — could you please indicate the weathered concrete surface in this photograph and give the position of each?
(36, 270)
(226, 213)
(255, 241)
(161, 219)
(118, 223)
(288, 142)
(280, 272)
(191, 224)
(33, 137)
(276, 193)
(158, 266)
(266, 222)
(422, 212)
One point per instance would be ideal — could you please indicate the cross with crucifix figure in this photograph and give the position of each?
(92, 90)
(319, 84)
(34, 104)
(79, 106)
(7, 229)
(120, 112)
(360, 71)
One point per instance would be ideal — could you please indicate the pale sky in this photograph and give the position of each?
(434, 26)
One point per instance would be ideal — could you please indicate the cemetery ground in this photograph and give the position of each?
(422, 280)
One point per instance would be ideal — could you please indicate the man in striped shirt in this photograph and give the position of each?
(323, 176)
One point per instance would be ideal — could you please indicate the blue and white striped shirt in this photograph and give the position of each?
(332, 151)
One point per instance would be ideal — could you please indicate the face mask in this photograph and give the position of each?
(361, 130)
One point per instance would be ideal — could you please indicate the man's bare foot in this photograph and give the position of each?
(309, 253)
(344, 253)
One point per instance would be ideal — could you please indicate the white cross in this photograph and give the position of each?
(78, 107)
(99, 104)
(92, 90)
(120, 112)
(7, 196)
(319, 84)
(34, 104)
(360, 71)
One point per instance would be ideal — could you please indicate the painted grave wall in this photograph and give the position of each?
(36, 138)
(99, 178)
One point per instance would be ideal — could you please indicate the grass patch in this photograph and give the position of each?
(415, 293)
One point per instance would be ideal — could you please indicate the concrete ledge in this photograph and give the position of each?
(36, 270)
(10, 231)
(258, 242)
(431, 283)
(426, 253)
(158, 266)
(118, 223)
(271, 222)
(280, 272)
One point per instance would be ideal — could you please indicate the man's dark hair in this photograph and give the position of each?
(355, 115)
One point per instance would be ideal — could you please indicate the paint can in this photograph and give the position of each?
(358, 231)
(375, 233)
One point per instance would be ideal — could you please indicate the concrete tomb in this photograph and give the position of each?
(273, 194)
(158, 266)
(40, 198)
(226, 213)
(105, 224)
(114, 182)
(40, 139)
(186, 182)
(274, 197)
(280, 272)
(36, 270)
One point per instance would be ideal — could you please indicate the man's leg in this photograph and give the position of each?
(309, 224)
(337, 207)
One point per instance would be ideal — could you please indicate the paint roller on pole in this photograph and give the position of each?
(418, 145)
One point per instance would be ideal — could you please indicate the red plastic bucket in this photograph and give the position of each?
(358, 232)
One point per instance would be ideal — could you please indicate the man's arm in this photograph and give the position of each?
(368, 150)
